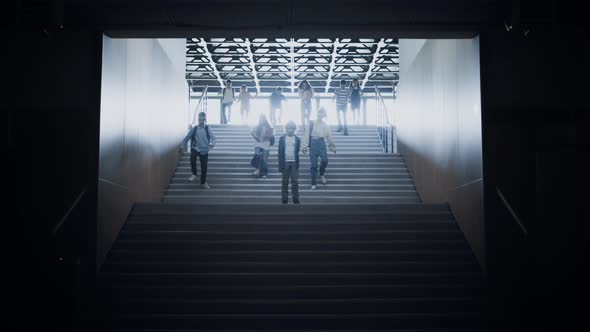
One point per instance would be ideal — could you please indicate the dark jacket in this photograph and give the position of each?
(282, 152)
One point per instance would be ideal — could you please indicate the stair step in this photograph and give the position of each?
(197, 235)
(277, 201)
(287, 279)
(292, 245)
(140, 255)
(329, 291)
(276, 193)
(330, 174)
(287, 267)
(393, 211)
(276, 181)
(294, 306)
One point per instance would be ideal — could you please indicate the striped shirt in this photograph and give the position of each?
(341, 95)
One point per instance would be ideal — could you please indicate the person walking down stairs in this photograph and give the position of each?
(228, 97)
(305, 94)
(202, 140)
(289, 145)
(355, 101)
(342, 95)
(263, 133)
(314, 139)
(244, 99)
(276, 103)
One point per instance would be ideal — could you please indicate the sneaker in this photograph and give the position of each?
(192, 178)
(285, 202)
(264, 177)
(313, 187)
(295, 201)
(339, 129)
(256, 173)
(205, 186)
(324, 180)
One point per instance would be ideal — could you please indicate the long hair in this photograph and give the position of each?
(307, 85)
(262, 123)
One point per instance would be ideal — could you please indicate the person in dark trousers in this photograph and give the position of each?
(276, 102)
(289, 145)
(202, 140)
(306, 95)
(263, 133)
(355, 101)
(342, 94)
(228, 97)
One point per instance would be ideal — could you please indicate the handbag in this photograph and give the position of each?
(255, 162)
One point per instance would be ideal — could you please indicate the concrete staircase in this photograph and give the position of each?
(289, 268)
(229, 259)
(360, 172)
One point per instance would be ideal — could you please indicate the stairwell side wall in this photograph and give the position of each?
(143, 118)
(438, 117)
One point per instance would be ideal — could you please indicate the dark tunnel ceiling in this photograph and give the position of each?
(264, 64)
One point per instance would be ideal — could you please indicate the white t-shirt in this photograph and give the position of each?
(228, 96)
(290, 148)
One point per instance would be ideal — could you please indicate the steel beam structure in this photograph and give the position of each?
(268, 63)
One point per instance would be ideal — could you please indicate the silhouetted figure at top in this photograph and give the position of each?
(244, 100)
(228, 97)
(306, 95)
(355, 101)
(276, 102)
(341, 94)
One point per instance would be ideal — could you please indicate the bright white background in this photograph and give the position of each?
(291, 111)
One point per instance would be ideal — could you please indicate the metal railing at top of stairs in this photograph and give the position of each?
(201, 107)
(386, 127)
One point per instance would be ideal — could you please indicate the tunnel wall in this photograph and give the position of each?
(438, 117)
(143, 118)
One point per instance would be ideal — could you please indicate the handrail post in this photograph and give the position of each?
(189, 105)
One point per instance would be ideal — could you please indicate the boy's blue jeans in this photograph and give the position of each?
(290, 173)
(263, 167)
(317, 149)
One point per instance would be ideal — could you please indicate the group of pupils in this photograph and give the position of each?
(343, 95)
(316, 139)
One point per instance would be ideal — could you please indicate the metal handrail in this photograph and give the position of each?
(380, 100)
(512, 212)
(387, 131)
(68, 212)
(200, 104)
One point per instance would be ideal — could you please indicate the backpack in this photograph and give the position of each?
(194, 139)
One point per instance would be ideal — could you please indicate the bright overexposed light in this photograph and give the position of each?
(291, 111)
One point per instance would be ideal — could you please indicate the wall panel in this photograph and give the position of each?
(143, 117)
(438, 116)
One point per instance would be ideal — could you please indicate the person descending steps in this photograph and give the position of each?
(276, 103)
(263, 133)
(289, 145)
(314, 139)
(244, 99)
(228, 97)
(342, 95)
(202, 140)
(305, 92)
(355, 101)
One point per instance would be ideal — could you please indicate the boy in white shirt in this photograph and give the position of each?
(289, 145)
